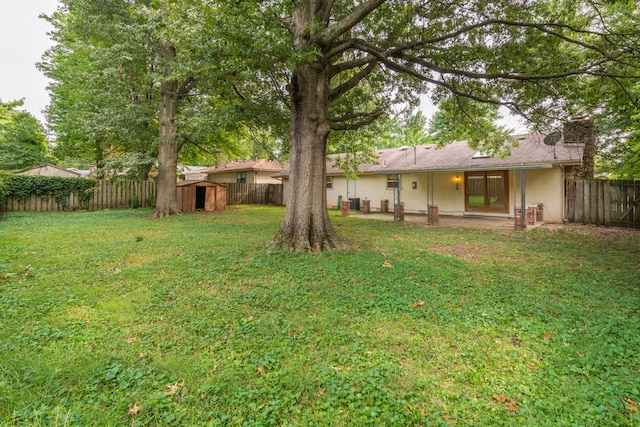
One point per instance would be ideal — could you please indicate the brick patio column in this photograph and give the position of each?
(433, 216)
(519, 226)
(346, 208)
(396, 215)
(366, 206)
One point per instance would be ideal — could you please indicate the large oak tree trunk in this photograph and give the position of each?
(167, 197)
(306, 225)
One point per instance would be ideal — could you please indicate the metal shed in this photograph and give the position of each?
(204, 196)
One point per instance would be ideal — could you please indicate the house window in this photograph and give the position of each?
(329, 182)
(392, 181)
(487, 191)
(241, 178)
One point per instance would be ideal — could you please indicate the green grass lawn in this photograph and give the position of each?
(112, 319)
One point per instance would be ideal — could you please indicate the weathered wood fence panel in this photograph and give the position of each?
(602, 202)
(625, 203)
(106, 195)
(119, 195)
(32, 203)
(254, 194)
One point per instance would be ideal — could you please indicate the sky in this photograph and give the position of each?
(23, 41)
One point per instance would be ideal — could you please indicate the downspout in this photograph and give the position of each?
(564, 194)
(432, 186)
(399, 189)
(513, 189)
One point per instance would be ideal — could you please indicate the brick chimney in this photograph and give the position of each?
(581, 130)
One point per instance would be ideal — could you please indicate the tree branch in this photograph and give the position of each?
(546, 28)
(334, 31)
(353, 64)
(188, 140)
(355, 120)
(352, 82)
(187, 86)
(511, 76)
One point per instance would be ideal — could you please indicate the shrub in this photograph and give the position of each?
(133, 203)
(4, 188)
(22, 186)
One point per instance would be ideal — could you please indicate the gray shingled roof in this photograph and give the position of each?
(531, 153)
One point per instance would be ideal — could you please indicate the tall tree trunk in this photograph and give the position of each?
(306, 225)
(167, 196)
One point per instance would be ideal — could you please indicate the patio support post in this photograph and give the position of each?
(523, 211)
(399, 217)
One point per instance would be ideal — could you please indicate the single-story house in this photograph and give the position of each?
(258, 171)
(461, 181)
(51, 170)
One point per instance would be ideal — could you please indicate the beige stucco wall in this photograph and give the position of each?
(374, 188)
(544, 186)
(265, 178)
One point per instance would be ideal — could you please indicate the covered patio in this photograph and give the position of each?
(471, 221)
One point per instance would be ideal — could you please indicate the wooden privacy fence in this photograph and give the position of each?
(128, 194)
(106, 195)
(125, 194)
(602, 202)
(254, 194)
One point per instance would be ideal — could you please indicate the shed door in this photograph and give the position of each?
(210, 204)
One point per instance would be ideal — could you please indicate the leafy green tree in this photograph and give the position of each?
(23, 141)
(103, 101)
(618, 128)
(614, 103)
(124, 96)
(403, 128)
(462, 119)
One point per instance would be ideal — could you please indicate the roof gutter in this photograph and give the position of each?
(458, 168)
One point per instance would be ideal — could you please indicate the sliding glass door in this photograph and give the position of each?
(486, 191)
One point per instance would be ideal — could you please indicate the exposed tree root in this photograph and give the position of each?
(163, 213)
(301, 243)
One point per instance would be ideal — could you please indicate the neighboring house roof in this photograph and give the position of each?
(187, 168)
(83, 172)
(259, 165)
(45, 170)
(532, 152)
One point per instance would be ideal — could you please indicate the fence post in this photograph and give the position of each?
(580, 196)
(607, 203)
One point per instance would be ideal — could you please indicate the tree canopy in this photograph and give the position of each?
(107, 70)
(23, 141)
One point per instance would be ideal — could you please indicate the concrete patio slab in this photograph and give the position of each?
(485, 222)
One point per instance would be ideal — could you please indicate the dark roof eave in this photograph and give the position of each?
(473, 168)
(238, 170)
(545, 165)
